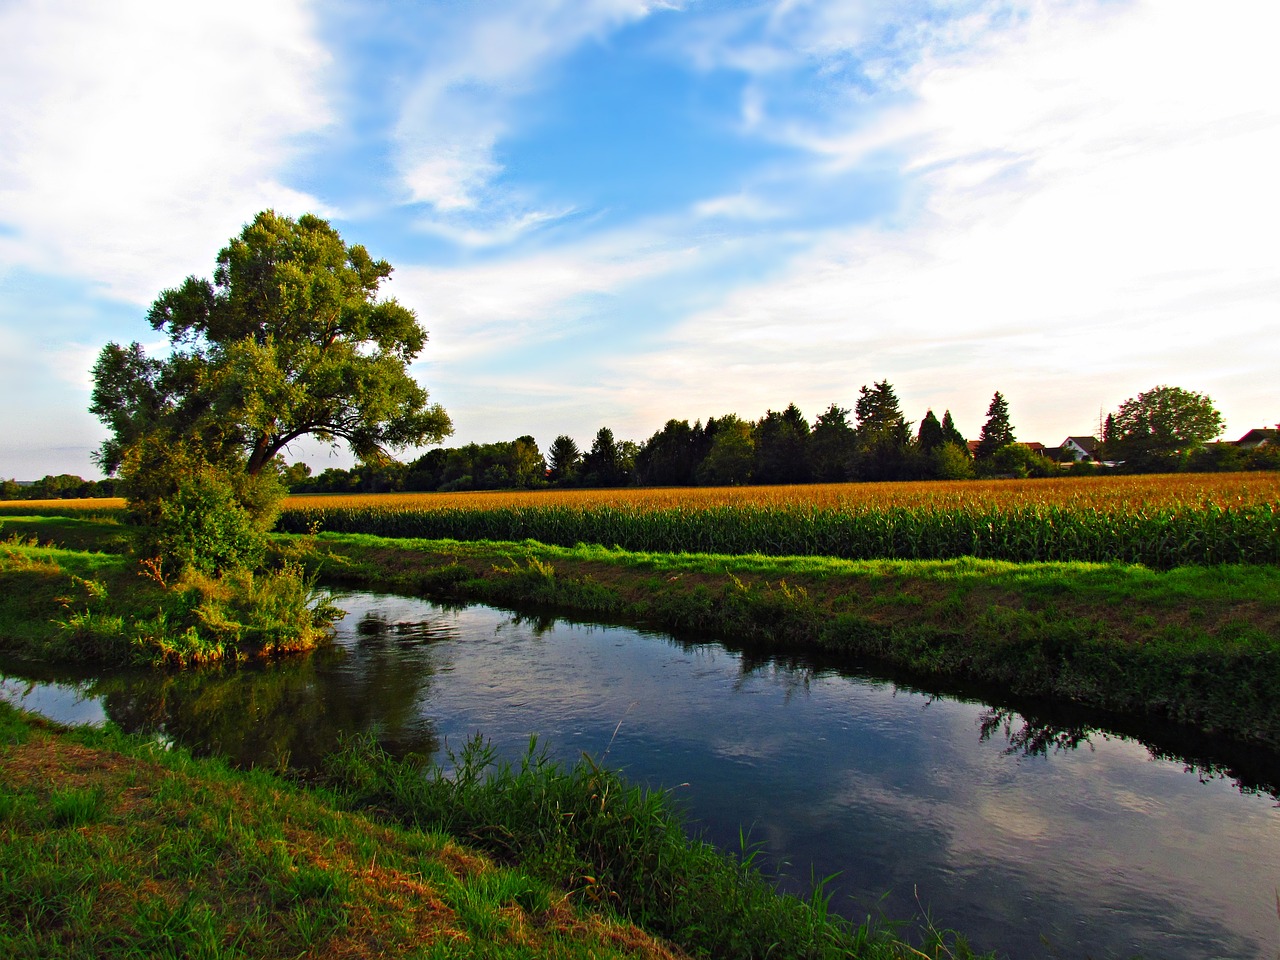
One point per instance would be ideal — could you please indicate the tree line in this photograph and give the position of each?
(1163, 429)
(64, 486)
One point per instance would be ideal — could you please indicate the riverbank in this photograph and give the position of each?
(1196, 645)
(117, 846)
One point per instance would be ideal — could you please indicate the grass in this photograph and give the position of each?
(1197, 645)
(92, 605)
(111, 846)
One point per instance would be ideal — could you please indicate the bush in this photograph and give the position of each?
(203, 528)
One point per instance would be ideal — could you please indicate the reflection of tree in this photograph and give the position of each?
(1032, 738)
(292, 712)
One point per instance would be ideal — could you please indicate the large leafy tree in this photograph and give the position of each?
(1164, 422)
(289, 339)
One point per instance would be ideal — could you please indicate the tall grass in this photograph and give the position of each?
(585, 830)
(1160, 522)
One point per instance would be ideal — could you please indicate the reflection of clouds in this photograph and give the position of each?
(892, 789)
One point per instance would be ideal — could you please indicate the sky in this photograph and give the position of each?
(618, 212)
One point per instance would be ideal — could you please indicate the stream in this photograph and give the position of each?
(1033, 836)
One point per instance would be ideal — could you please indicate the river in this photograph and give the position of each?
(1057, 839)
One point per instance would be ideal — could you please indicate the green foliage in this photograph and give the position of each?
(1150, 430)
(193, 619)
(289, 340)
(951, 461)
(1016, 461)
(204, 528)
(930, 435)
(586, 830)
(781, 452)
(670, 457)
(832, 446)
(997, 432)
(884, 436)
(732, 455)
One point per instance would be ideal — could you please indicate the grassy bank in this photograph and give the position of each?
(68, 593)
(113, 847)
(1198, 645)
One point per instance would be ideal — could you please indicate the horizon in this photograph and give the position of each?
(620, 212)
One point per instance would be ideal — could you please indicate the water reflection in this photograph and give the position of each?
(1007, 820)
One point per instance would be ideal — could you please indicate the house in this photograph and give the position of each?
(1258, 438)
(1080, 449)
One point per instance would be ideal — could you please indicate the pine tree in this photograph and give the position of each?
(997, 431)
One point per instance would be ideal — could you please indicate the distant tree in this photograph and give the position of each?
(669, 457)
(1150, 431)
(564, 460)
(930, 435)
(1019, 461)
(732, 454)
(833, 445)
(295, 474)
(951, 435)
(527, 466)
(997, 432)
(781, 447)
(883, 434)
(606, 463)
(950, 461)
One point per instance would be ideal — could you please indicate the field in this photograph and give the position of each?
(1160, 521)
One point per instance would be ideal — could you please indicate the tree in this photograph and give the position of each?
(564, 458)
(781, 447)
(930, 435)
(1151, 430)
(288, 340)
(883, 434)
(608, 463)
(832, 446)
(951, 435)
(732, 453)
(667, 459)
(997, 432)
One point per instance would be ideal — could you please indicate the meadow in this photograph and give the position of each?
(1161, 521)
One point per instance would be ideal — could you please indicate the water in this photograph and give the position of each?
(1035, 839)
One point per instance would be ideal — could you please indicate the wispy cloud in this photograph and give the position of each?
(1084, 219)
(482, 65)
(137, 136)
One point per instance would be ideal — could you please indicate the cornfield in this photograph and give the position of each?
(1160, 521)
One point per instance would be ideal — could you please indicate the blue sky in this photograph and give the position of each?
(614, 212)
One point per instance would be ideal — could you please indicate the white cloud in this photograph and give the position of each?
(135, 137)
(480, 67)
(1092, 213)
(480, 309)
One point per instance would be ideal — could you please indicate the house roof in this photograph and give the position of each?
(1088, 444)
(1259, 435)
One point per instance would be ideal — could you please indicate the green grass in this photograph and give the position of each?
(111, 846)
(86, 605)
(1198, 645)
